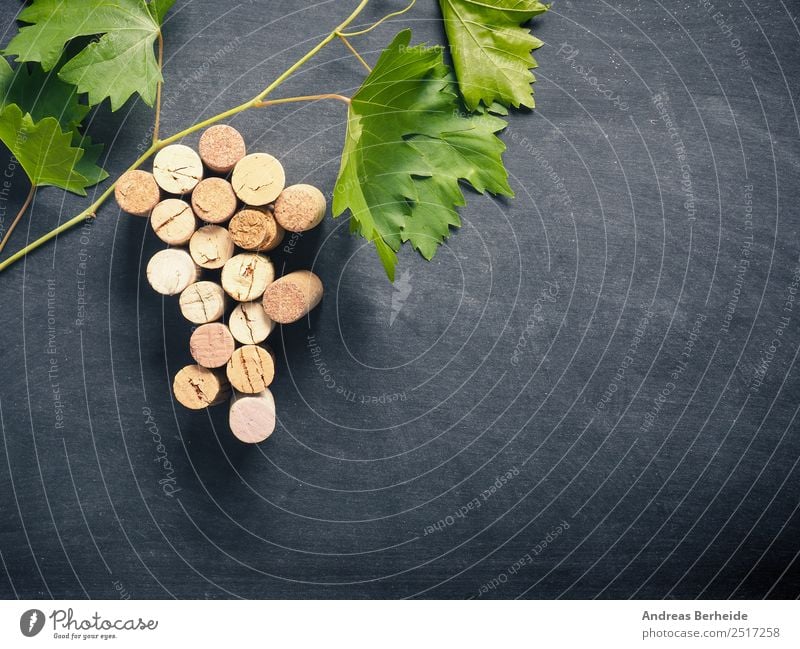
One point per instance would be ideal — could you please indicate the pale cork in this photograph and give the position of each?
(211, 247)
(203, 302)
(170, 271)
(252, 416)
(173, 221)
(177, 169)
(249, 324)
(245, 277)
(258, 179)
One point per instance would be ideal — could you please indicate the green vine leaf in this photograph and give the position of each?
(120, 63)
(41, 94)
(87, 164)
(159, 8)
(491, 50)
(45, 152)
(409, 144)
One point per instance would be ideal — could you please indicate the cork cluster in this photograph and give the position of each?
(219, 209)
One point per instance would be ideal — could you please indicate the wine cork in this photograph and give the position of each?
(255, 228)
(213, 200)
(203, 302)
(249, 324)
(258, 179)
(252, 417)
(245, 277)
(212, 345)
(171, 271)
(197, 387)
(137, 192)
(221, 147)
(251, 369)
(173, 221)
(211, 246)
(300, 208)
(292, 296)
(177, 169)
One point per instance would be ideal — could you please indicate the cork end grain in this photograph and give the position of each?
(211, 247)
(214, 200)
(177, 169)
(221, 147)
(173, 221)
(249, 324)
(300, 208)
(292, 296)
(245, 277)
(252, 417)
(212, 345)
(258, 179)
(251, 369)
(197, 387)
(203, 302)
(171, 271)
(137, 192)
(255, 228)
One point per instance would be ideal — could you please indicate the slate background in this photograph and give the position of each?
(700, 503)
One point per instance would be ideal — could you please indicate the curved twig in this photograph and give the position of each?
(18, 217)
(394, 14)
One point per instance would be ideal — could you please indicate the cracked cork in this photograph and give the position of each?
(251, 369)
(203, 302)
(249, 324)
(196, 387)
(211, 247)
(258, 179)
(173, 221)
(177, 169)
(245, 277)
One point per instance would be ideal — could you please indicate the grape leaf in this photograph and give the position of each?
(409, 144)
(159, 8)
(491, 50)
(46, 152)
(87, 165)
(41, 94)
(117, 65)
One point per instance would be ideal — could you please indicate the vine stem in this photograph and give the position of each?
(292, 100)
(18, 217)
(354, 51)
(157, 122)
(158, 144)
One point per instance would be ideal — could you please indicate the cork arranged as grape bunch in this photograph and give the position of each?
(221, 210)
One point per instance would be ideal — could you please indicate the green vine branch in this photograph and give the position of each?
(256, 102)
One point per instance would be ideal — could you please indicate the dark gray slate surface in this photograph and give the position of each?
(624, 344)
